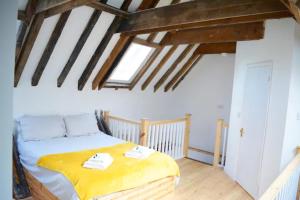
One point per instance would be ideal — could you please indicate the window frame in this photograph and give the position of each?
(114, 84)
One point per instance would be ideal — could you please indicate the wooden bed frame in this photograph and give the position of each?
(153, 190)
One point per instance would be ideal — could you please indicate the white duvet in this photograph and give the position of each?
(57, 183)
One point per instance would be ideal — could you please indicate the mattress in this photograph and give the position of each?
(56, 183)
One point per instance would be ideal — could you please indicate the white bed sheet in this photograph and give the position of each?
(57, 183)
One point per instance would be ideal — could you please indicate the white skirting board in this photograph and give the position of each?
(203, 157)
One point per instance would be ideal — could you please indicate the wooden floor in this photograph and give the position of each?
(203, 182)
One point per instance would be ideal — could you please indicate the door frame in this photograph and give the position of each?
(270, 64)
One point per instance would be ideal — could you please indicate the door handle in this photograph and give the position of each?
(242, 132)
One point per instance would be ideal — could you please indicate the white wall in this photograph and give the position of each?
(8, 13)
(205, 93)
(277, 46)
(50, 99)
(292, 129)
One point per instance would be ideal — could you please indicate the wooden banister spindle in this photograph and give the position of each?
(282, 188)
(187, 134)
(106, 116)
(218, 141)
(144, 132)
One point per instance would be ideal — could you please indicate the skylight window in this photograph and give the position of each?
(131, 62)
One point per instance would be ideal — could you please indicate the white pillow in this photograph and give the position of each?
(83, 124)
(41, 127)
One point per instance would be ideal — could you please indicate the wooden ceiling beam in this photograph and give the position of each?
(152, 58)
(146, 4)
(183, 70)
(159, 66)
(54, 7)
(146, 43)
(31, 36)
(23, 17)
(20, 37)
(216, 48)
(294, 7)
(50, 47)
(107, 8)
(26, 17)
(101, 47)
(195, 14)
(226, 33)
(151, 37)
(186, 73)
(78, 47)
(98, 53)
(173, 67)
(45, 5)
(31, 8)
(175, 1)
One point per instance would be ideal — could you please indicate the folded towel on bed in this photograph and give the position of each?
(139, 152)
(99, 161)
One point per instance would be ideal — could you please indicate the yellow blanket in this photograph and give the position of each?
(124, 173)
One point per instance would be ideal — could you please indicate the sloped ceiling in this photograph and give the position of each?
(71, 32)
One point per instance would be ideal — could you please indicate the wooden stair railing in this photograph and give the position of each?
(220, 138)
(286, 185)
(166, 136)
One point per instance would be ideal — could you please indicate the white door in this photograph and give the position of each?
(254, 119)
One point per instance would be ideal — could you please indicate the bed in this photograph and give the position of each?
(49, 185)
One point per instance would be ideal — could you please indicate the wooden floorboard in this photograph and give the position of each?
(199, 181)
(203, 182)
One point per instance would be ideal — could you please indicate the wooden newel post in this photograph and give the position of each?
(187, 134)
(106, 117)
(144, 132)
(218, 141)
